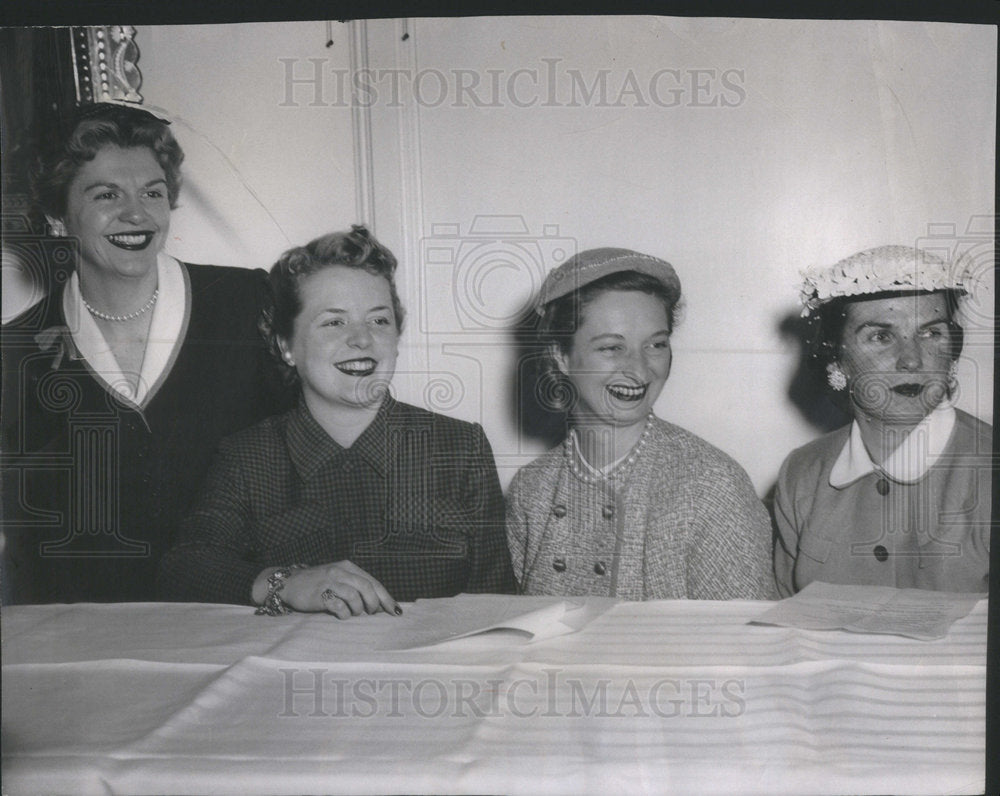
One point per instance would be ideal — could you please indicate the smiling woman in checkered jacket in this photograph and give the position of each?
(352, 501)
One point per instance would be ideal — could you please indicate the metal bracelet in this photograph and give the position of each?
(273, 605)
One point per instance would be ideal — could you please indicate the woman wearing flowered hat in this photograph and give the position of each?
(628, 505)
(901, 496)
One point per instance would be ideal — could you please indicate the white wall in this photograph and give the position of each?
(261, 174)
(799, 143)
(823, 138)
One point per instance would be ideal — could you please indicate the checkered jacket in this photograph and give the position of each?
(415, 502)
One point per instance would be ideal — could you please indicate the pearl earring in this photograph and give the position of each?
(835, 377)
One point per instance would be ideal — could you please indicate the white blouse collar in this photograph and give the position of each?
(909, 462)
(166, 332)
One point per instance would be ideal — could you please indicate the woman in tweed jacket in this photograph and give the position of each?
(353, 500)
(628, 505)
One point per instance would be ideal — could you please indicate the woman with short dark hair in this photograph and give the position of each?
(90, 130)
(119, 384)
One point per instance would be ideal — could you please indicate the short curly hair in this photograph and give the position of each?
(86, 133)
(356, 248)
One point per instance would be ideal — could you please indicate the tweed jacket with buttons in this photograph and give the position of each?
(683, 523)
(415, 501)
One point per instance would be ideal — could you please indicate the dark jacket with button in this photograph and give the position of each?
(95, 486)
(415, 502)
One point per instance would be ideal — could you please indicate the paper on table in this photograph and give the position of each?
(469, 615)
(914, 613)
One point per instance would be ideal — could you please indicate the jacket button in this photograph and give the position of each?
(608, 512)
(559, 565)
(600, 568)
(559, 511)
(882, 486)
(881, 554)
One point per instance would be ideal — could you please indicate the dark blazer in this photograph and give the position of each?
(415, 502)
(93, 485)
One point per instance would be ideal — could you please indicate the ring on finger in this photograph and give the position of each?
(328, 595)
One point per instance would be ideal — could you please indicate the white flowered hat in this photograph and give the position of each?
(882, 270)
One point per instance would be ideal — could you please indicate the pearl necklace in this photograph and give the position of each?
(121, 318)
(573, 456)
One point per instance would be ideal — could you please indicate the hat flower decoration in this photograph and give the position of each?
(882, 270)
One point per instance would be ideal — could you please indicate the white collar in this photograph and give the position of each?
(166, 330)
(908, 463)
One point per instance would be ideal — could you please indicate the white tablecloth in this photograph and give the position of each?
(667, 697)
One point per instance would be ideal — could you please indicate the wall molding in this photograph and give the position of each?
(408, 132)
(361, 127)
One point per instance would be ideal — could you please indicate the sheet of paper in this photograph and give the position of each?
(438, 621)
(914, 613)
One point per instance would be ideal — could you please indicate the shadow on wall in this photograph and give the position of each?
(808, 390)
(537, 395)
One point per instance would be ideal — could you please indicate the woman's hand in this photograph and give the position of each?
(342, 589)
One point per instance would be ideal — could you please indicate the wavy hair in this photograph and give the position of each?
(356, 248)
(85, 134)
